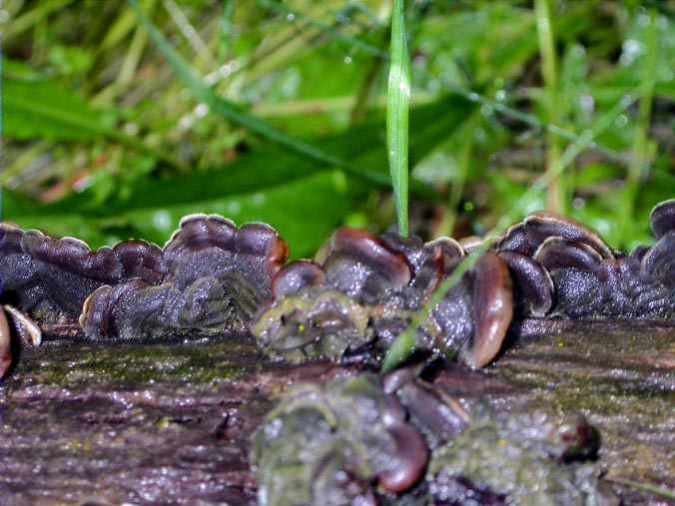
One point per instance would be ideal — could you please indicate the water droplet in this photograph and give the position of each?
(131, 129)
(500, 95)
(630, 51)
(258, 199)
(578, 203)
(348, 60)
(587, 104)
(201, 110)
(233, 207)
(475, 97)
(162, 220)
(290, 16)
(621, 120)
(185, 122)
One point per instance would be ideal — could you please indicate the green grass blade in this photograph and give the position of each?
(398, 102)
(645, 487)
(404, 345)
(202, 92)
(549, 69)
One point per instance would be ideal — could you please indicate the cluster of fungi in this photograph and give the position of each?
(349, 303)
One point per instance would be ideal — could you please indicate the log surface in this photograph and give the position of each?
(99, 424)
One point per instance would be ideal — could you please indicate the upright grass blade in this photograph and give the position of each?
(549, 65)
(404, 344)
(398, 102)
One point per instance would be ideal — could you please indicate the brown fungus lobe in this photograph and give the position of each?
(493, 309)
(408, 463)
(5, 345)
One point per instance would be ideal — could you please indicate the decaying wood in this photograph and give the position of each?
(84, 423)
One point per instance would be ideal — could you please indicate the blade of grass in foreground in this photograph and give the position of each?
(398, 101)
(404, 344)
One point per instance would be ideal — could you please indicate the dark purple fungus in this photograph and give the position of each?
(369, 290)
(557, 253)
(428, 263)
(68, 270)
(21, 283)
(135, 310)
(527, 236)
(438, 416)
(211, 246)
(659, 262)
(210, 279)
(361, 266)
(533, 285)
(662, 218)
(637, 286)
(140, 259)
(297, 276)
(49, 279)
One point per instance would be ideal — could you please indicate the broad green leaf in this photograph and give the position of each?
(260, 170)
(261, 173)
(46, 110)
(304, 211)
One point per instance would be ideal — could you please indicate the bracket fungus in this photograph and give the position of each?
(214, 278)
(354, 299)
(375, 285)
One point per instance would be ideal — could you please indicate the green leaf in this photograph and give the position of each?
(271, 165)
(47, 110)
(398, 101)
(305, 219)
(304, 211)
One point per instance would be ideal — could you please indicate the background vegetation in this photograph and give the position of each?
(120, 117)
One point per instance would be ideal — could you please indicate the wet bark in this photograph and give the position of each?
(84, 423)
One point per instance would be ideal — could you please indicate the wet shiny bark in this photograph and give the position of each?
(84, 423)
